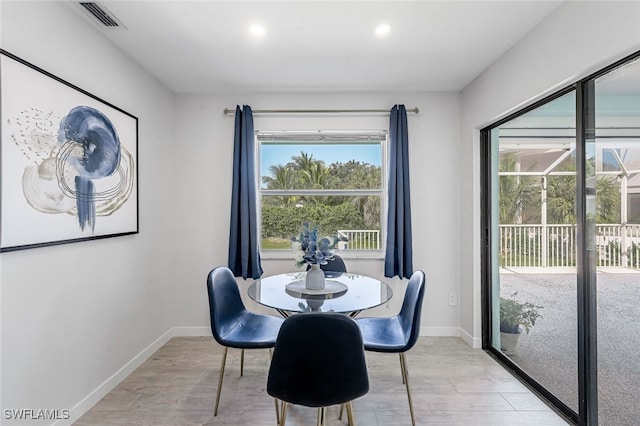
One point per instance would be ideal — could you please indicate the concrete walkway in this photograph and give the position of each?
(549, 352)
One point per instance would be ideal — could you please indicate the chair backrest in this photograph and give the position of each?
(411, 310)
(318, 361)
(225, 303)
(334, 265)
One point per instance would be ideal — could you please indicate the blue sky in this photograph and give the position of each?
(329, 153)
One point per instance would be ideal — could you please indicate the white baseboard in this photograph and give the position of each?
(474, 342)
(98, 393)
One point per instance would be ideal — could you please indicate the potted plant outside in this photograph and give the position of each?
(515, 316)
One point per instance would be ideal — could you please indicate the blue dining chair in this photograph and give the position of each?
(333, 267)
(232, 325)
(399, 333)
(318, 361)
(336, 264)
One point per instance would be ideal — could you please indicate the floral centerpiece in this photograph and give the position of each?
(315, 251)
(310, 249)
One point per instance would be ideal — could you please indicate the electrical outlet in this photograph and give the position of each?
(453, 299)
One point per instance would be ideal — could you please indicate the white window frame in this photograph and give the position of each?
(317, 136)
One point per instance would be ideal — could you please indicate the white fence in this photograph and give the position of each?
(555, 245)
(359, 239)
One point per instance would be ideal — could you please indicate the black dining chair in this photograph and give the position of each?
(318, 361)
(334, 265)
(232, 325)
(399, 333)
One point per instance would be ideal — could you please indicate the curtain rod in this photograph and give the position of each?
(229, 111)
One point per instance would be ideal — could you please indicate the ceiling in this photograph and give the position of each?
(206, 46)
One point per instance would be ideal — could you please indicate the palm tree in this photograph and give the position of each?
(303, 161)
(607, 200)
(282, 177)
(517, 193)
(561, 196)
(315, 175)
(310, 174)
(561, 199)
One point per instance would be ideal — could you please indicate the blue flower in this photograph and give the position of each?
(307, 248)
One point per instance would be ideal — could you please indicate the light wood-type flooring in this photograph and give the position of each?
(451, 383)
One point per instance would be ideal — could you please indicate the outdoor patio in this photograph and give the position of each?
(549, 352)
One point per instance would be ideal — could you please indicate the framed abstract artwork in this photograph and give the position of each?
(69, 161)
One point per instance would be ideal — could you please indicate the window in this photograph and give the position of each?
(335, 180)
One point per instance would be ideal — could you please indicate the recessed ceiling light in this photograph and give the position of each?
(257, 30)
(382, 30)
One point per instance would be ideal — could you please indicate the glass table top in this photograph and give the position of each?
(362, 293)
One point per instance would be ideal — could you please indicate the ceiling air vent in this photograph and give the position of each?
(106, 18)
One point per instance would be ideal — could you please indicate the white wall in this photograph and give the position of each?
(205, 137)
(574, 41)
(74, 315)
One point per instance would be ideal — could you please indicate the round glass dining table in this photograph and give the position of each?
(360, 293)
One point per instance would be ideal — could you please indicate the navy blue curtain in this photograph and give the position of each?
(244, 254)
(398, 259)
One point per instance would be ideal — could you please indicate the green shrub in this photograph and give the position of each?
(285, 222)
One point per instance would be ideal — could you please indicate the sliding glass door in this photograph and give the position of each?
(561, 264)
(616, 160)
(533, 248)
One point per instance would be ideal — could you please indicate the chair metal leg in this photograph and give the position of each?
(241, 362)
(402, 370)
(283, 413)
(224, 360)
(322, 411)
(275, 400)
(350, 420)
(403, 361)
